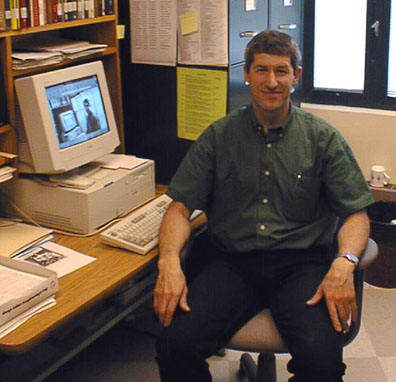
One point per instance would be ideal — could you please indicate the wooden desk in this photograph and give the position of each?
(82, 291)
(79, 290)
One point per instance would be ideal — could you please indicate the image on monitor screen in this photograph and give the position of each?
(77, 111)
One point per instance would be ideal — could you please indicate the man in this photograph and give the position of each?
(93, 123)
(271, 179)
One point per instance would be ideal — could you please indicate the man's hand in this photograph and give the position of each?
(339, 292)
(170, 290)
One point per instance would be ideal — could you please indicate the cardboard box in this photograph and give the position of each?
(42, 289)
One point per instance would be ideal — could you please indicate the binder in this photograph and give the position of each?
(7, 12)
(15, 20)
(24, 17)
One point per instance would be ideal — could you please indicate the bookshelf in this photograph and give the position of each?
(101, 29)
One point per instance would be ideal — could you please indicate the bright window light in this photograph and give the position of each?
(392, 53)
(340, 44)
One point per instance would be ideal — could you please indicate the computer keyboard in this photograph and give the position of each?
(139, 230)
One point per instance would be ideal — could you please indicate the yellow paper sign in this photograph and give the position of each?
(201, 100)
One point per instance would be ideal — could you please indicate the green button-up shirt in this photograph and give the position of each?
(278, 190)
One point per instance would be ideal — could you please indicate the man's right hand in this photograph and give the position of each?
(170, 290)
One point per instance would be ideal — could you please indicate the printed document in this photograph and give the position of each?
(56, 257)
(153, 32)
(203, 32)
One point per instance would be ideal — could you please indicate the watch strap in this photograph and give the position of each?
(350, 257)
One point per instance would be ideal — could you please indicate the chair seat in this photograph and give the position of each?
(258, 335)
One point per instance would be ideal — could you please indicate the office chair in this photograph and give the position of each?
(261, 335)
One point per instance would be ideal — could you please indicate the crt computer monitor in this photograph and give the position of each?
(68, 119)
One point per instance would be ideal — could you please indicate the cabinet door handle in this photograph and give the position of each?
(287, 26)
(248, 34)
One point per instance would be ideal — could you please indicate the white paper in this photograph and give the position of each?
(57, 258)
(153, 31)
(209, 45)
(15, 284)
(116, 161)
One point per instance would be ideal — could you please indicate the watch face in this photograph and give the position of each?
(352, 258)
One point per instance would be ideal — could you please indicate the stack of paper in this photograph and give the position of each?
(33, 53)
(6, 173)
(27, 60)
(16, 237)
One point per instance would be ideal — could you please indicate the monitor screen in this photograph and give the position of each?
(77, 111)
(68, 119)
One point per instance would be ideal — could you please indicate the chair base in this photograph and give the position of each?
(264, 371)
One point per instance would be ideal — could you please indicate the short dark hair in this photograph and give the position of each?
(86, 102)
(273, 42)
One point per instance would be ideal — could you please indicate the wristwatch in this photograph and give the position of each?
(350, 257)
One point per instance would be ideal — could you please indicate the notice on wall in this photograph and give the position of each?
(153, 32)
(201, 100)
(203, 32)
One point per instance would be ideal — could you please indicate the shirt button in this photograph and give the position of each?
(262, 227)
(267, 173)
(265, 201)
(269, 146)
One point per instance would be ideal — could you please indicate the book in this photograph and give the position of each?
(91, 9)
(65, 10)
(7, 12)
(35, 13)
(3, 26)
(99, 8)
(15, 20)
(23, 13)
(73, 9)
(109, 7)
(48, 10)
(41, 12)
(59, 8)
(31, 16)
(80, 9)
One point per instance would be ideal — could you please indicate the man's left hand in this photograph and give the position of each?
(338, 290)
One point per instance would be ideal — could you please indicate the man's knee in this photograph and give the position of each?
(317, 359)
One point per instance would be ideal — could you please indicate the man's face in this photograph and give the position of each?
(86, 105)
(271, 80)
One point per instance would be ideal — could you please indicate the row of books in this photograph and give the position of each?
(20, 14)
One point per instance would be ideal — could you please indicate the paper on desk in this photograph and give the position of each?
(57, 258)
(115, 161)
(17, 237)
(11, 325)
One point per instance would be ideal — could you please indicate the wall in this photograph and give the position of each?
(370, 133)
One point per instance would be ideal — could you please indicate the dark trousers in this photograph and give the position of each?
(229, 290)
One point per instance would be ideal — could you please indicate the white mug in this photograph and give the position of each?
(379, 178)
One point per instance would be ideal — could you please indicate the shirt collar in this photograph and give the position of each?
(281, 130)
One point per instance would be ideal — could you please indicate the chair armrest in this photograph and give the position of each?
(369, 254)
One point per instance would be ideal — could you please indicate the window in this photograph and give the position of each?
(350, 53)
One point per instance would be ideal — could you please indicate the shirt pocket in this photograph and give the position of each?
(301, 195)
